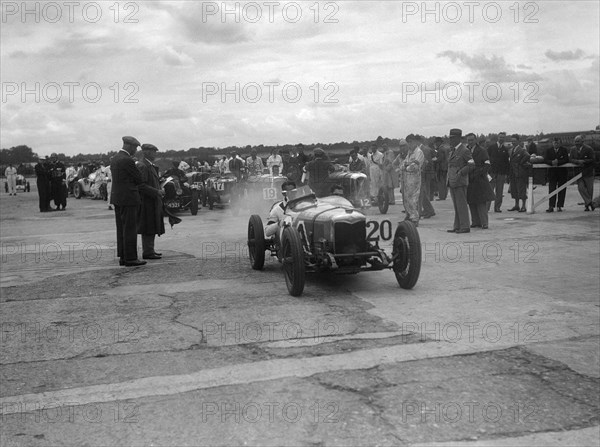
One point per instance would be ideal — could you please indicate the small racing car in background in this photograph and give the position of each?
(180, 196)
(221, 190)
(330, 235)
(21, 184)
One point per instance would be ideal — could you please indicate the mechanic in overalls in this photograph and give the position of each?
(411, 180)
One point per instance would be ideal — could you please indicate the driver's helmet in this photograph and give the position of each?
(184, 166)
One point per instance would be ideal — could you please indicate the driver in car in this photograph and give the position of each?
(278, 210)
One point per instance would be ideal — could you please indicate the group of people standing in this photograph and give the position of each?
(474, 174)
(137, 199)
(51, 184)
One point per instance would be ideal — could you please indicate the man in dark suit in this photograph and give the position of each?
(150, 217)
(318, 171)
(499, 169)
(125, 196)
(479, 191)
(459, 162)
(557, 155)
(519, 174)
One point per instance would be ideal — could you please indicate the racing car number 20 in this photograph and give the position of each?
(379, 230)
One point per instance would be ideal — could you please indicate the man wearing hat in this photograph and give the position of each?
(459, 163)
(499, 169)
(150, 217)
(42, 172)
(318, 173)
(557, 155)
(58, 188)
(583, 155)
(519, 174)
(125, 196)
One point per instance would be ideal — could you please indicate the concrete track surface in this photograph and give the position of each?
(497, 345)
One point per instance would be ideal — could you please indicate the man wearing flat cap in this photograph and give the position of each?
(459, 162)
(125, 196)
(150, 217)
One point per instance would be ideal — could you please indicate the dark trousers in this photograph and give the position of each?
(43, 186)
(556, 180)
(479, 213)
(461, 209)
(425, 207)
(126, 219)
(148, 244)
(497, 184)
(442, 184)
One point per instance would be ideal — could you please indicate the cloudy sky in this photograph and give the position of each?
(183, 74)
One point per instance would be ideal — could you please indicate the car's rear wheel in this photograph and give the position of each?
(407, 254)
(204, 199)
(256, 242)
(383, 201)
(27, 187)
(77, 190)
(292, 258)
(194, 202)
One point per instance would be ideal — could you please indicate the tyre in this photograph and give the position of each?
(27, 187)
(383, 201)
(407, 254)
(292, 258)
(204, 199)
(194, 202)
(77, 190)
(256, 242)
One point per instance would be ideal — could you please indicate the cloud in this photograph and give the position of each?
(492, 69)
(173, 57)
(565, 55)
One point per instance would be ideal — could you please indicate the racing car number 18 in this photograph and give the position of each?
(269, 193)
(379, 230)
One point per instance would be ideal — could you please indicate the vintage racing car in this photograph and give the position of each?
(356, 190)
(329, 234)
(178, 196)
(21, 184)
(94, 186)
(221, 190)
(259, 192)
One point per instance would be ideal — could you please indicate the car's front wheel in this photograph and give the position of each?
(292, 258)
(256, 242)
(77, 190)
(406, 254)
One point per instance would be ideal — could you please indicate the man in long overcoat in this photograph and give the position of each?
(459, 162)
(479, 191)
(519, 174)
(150, 217)
(125, 196)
